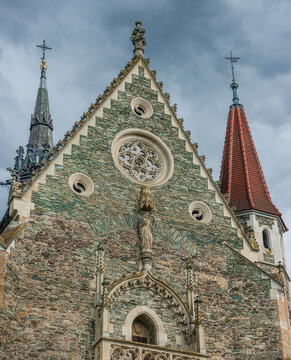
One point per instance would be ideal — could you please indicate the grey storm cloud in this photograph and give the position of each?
(187, 43)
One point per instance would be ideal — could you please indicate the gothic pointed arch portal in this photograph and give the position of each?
(149, 282)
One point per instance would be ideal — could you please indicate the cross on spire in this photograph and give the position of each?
(232, 60)
(43, 66)
(44, 48)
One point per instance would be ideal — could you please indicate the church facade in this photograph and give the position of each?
(118, 244)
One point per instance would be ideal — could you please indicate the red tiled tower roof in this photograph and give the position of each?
(241, 175)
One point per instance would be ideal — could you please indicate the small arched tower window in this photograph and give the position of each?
(266, 239)
(143, 330)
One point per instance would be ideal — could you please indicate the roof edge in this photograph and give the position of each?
(250, 262)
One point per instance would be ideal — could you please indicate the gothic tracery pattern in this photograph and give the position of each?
(140, 161)
(127, 352)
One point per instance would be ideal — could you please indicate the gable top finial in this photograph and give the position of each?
(138, 39)
(43, 66)
(233, 85)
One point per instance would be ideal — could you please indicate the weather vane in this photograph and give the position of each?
(232, 60)
(44, 49)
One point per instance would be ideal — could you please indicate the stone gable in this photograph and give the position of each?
(50, 312)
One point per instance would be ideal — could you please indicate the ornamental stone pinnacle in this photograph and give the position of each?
(138, 39)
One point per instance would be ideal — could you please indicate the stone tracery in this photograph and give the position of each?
(131, 352)
(139, 160)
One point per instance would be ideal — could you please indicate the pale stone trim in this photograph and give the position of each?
(145, 104)
(82, 178)
(277, 294)
(225, 211)
(21, 206)
(161, 336)
(203, 172)
(210, 185)
(206, 212)
(173, 122)
(11, 246)
(179, 340)
(196, 161)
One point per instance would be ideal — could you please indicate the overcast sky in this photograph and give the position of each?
(187, 43)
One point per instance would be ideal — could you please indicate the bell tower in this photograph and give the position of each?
(243, 183)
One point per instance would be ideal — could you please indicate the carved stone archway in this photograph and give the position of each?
(161, 336)
(148, 281)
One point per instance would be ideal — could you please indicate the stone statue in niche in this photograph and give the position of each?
(145, 232)
(145, 228)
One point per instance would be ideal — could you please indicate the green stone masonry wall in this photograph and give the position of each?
(50, 273)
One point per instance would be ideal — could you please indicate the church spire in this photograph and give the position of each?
(40, 140)
(241, 176)
(41, 123)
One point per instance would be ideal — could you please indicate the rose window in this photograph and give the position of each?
(142, 157)
(140, 161)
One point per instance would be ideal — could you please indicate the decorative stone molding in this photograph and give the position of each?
(161, 336)
(142, 157)
(190, 288)
(111, 349)
(146, 202)
(200, 212)
(99, 273)
(81, 184)
(141, 107)
(148, 281)
(199, 332)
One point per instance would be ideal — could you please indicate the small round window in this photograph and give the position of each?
(79, 187)
(141, 107)
(81, 184)
(200, 212)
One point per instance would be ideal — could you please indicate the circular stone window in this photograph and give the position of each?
(200, 212)
(81, 184)
(142, 157)
(141, 108)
